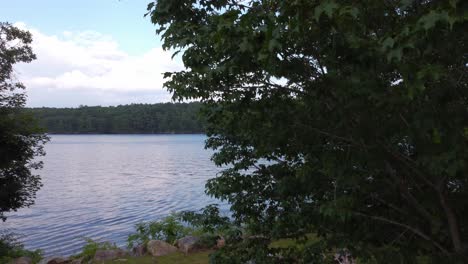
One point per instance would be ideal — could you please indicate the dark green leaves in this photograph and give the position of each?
(20, 137)
(342, 118)
(327, 8)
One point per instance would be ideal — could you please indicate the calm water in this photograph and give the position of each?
(99, 186)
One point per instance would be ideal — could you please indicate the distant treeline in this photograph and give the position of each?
(123, 119)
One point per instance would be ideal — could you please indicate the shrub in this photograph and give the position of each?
(11, 248)
(168, 229)
(90, 248)
(208, 220)
(209, 223)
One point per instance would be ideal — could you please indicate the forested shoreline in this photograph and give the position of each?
(161, 118)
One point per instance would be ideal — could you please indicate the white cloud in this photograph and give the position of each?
(75, 66)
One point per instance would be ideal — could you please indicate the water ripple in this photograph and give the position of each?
(100, 186)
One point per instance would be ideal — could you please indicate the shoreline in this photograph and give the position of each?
(123, 134)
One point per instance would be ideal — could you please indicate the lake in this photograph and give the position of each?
(100, 186)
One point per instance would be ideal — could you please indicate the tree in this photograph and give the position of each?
(344, 119)
(134, 118)
(20, 138)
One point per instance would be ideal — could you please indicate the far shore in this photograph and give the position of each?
(124, 134)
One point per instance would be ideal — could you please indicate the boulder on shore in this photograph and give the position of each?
(160, 248)
(220, 242)
(55, 260)
(139, 250)
(188, 244)
(77, 261)
(109, 254)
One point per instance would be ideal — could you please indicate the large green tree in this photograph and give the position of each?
(20, 138)
(344, 119)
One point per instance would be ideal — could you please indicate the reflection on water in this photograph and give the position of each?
(99, 186)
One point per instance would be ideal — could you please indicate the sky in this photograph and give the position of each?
(90, 52)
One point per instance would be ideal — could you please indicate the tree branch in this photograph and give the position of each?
(410, 228)
(451, 219)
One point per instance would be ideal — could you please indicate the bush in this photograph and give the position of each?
(89, 250)
(208, 225)
(208, 220)
(11, 248)
(168, 229)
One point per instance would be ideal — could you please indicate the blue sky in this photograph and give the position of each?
(121, 19)
(90, 52)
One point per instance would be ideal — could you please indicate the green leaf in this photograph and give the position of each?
(436, 136)
(350, 10)
(388, 43)
(273, 44)
(327, 7)
(395, 54)
(245, 45)
(405, 4)
(429, 21)
(453, 3)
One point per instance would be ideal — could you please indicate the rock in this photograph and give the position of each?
(77, 261)
(22, 260)
(221, 242)
(160, 248)
(109, 254)
(139, 250)
(188, 244)
(55, 260)
(59, 260)
(343, 256)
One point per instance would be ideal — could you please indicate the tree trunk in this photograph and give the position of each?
(451, 220)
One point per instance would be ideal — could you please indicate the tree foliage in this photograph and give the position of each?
(20, 138)
(347, 119)
(122, 119)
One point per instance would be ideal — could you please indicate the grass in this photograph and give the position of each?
(289, 242)
(176, 258)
